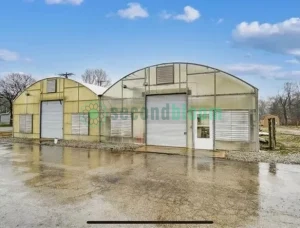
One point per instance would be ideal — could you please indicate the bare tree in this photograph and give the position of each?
(96, 77)
(262, 108)
(11, 86)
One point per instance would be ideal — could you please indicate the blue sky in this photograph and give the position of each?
(257, 41)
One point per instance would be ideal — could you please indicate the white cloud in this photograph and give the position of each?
(221, 20)
(72, 2)
(190, 14)
(282, 37)
(6, 55)
(292, 61)
(133, 11)
(250, 68)
(165, 15)
(263, 71)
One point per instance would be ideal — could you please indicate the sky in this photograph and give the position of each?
(257, 41)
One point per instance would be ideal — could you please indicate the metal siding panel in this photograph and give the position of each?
(28, 123)
(234, 126)
(52, 119)
(169, 131)
(25, 123)
(84, 125)
(75, 124)
(22, 122)
(121, 125)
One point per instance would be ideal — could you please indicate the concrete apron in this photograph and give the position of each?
(181, 151)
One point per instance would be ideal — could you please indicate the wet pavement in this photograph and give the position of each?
(44, 186)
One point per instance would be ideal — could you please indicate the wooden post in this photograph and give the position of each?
(274, 131)
(270, 133)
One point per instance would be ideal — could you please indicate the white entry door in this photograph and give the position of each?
(203, 130)
(52, 119)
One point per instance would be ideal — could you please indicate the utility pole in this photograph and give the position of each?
(66, 75)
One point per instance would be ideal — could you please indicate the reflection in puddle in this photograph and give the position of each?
(163, 187)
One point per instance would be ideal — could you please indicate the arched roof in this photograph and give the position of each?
(187, 63)
(98, 90)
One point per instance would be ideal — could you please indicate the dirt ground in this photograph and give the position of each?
(42, 186)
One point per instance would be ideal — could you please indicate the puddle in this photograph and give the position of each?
(68, 186)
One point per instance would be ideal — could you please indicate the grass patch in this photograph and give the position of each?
(5, 125)
(285, 144)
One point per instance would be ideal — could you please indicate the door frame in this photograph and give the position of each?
(211, 128)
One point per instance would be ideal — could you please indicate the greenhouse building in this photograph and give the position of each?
(171, 104)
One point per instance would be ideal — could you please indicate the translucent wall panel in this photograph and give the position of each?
(139, 127)
(201, 84)
(71, 94)
(152, 75)
(176, 73)
(114, 91)
(105, 125)
(35, 86)
(194, 69)
(27, 109)
(135, 75)
(111, 105)
(33, 96)
(85, 93)
(201, 102)
(134, 88)
(231, 146)
(227, 84)
(235, 102)
(164, 89)
(182, 69)
(71, 107)
(133, 104)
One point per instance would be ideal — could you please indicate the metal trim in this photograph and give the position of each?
(222, 95)
(132, 79)
(211, 72)
(214, 111)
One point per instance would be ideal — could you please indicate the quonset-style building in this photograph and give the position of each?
(56, 108)
(172, 104)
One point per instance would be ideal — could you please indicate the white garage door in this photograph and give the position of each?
(166, 120)
(52, 119)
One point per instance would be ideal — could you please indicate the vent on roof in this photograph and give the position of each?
(165, 75)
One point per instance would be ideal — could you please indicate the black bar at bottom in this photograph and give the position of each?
(150, 222)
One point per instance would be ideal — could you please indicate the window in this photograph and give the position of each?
(203, 126)
(80, 124)
(51, 86)
(233, 126)
(25, 122)
(121, 124)
(165, 75)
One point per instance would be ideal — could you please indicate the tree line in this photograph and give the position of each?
(13, 84)
(286, 104)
